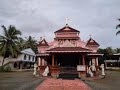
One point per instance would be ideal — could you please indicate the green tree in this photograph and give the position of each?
(117, 50)
(110, 51)
(9, 42)
(107, 52)
(30, 42)
(118, 26)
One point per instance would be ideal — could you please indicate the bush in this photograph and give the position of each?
(1, 69)
(5, 69)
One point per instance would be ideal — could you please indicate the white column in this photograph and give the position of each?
(43, 62)
(93, 60)
(39, 61)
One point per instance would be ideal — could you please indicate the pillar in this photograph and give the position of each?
(39, 63)
(97, 61)
(83, 63)
(43, 62)
(96, 65)
(83, 59)
(52, 60)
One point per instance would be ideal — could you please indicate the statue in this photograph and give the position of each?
(103, 69)
(35, 69)
(90, 72)
(93, 69)
(46, 72)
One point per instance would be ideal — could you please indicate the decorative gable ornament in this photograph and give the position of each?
(43, 42)
(68, 44)
(91, 40)
(66, 28)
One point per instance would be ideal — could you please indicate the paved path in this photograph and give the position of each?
(60, 84)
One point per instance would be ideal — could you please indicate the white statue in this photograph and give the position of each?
(103, 69)
(93, 68)
(35, 69)
(45, 73)
(90, 72)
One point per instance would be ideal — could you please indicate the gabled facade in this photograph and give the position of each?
(24, 60)
(67, 50)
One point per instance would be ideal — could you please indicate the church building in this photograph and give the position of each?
(67, 53)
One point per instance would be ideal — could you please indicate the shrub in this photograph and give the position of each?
(5, 69)
(1, 68)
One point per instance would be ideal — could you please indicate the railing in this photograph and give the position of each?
(112, 60)
(68, 69)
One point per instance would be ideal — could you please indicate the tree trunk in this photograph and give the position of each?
(3, 61)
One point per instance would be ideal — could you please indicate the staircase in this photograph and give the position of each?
(68, 73)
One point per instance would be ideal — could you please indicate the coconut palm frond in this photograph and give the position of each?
(5, 30)
(118, 26)
(118, 32)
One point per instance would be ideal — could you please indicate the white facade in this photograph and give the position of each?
(27, 55)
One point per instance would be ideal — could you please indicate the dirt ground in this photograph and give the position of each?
(26, 81)
(110, 82)
(19, 81)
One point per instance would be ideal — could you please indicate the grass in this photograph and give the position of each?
(19, 81)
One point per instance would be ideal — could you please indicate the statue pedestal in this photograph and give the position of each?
(103, 70)
(35, 69)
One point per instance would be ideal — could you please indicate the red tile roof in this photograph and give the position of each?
(42, 54)
(67, 38)
(92, 42)
(43, 43)
(69, 49)
(66, 29)
(95, 54)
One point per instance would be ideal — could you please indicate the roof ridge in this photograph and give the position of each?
(63, 29)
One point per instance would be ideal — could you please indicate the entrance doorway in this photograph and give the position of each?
(69, 60)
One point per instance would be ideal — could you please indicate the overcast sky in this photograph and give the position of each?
(42, 17)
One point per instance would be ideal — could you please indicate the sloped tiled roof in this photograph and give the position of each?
(66, 29)
(92, 42)
(43, 43)
(95, 54)
(28, 51)
(69, 49)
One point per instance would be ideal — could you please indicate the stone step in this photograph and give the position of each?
(68, 76)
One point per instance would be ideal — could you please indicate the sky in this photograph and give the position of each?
(41, 18)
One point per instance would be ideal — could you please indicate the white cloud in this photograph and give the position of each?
(43, 17)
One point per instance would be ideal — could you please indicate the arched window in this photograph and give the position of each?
(25, 57)
(33, 58)
(29, 57)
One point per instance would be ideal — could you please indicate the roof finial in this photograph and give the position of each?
(40, 38)
(66, 21)
(90, 35)
(44, 37)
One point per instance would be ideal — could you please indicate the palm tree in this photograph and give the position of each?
(30, 42)
(118, 26)
(9, 42)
